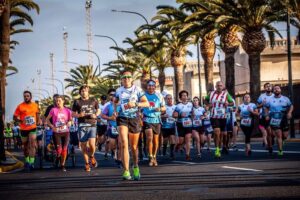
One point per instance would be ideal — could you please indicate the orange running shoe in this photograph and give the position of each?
(93, 161)
(87, 167)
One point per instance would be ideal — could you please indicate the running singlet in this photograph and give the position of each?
(278, 107)
(109, 111)
(246, 118)
(231, 113)
(60, 119)
(218, 103)
(27, 113)
(155, 100)
(103, 121)
(206, 122)
(187, 109)
(169, 122)
(126, 95)
(264, 98)
(198, 112)
(89, 107)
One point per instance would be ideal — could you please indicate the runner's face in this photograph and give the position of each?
(277, 90)
(184, 97)
(59, 102)
(196, 102)
(111, 95)
(219, 87)
(151, 89)
(27, 97)
(268, 88)
(169, 100)
(247, 98)
(127, 79)
(84, 93)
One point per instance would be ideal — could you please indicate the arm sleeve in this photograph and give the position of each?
(259, 100)
(229, 98)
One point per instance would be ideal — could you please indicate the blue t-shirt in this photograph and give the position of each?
(198, 112)
(169, 122)
(109, 111)
(155, 100)
(278, 106)
(125, 95)
(264, 99)
(184, 108)
(246, 118)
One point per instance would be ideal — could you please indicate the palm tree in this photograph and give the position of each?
(82, 75)
(9, 10)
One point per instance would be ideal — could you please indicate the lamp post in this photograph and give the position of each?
(74, 63)
(86, 50)
(62, 84)
(48, 93)
(199, 72)
(135, 13)
(51, 84)
(112, 39)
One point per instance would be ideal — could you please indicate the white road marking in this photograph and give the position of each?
(188, 163)
(263, 151)
(244, 169)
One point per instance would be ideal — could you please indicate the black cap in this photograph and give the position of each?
(103, 97)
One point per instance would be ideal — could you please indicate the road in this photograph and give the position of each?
(235, 176)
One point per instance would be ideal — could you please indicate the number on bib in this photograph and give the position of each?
(246, 122)
(220, 112)
(114, 131)
(209, 129)
(170, 120)
(206, 122)
(197, 122)
(187, 122)
(275, 122)
(29, 120)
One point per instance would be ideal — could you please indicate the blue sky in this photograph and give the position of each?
(34, 49)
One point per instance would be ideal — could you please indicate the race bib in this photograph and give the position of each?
(206, 122)
(187, 122)
(29, 120)
(209, 129)
(275, 122)
(220, 112)
(103, 122)
(124, 105)
(114, 131)
(197, 122)
(246, 122)
(170, 120)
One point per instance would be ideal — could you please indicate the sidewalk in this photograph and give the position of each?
(241, 138)
(10, 164)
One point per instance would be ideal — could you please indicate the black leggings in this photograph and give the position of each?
(248, 132)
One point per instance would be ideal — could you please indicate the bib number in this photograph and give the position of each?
(114, 131)
(275, 122)
(197, 122)
(209, 129)
(170, 120)
(246, 122)
(206, 122)
(29, 121)
(220, 112)
(187, 122)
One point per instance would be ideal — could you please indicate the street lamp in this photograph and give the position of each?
(199, 72)
(51, 84)
(74, 63)
(62, 84)
(135, 13)
(86, 50)
(44, 91)
(105, 36)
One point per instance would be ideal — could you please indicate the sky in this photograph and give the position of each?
(33, 53)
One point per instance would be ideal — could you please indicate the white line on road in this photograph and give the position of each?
(239, 168)
(182, 162)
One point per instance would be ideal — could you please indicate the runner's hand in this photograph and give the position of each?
(289, 116)
(93, 116)
(131, 104)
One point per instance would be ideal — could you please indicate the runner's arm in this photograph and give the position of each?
(143, 102)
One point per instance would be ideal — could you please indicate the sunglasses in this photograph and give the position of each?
(112, 94)
(124, 77)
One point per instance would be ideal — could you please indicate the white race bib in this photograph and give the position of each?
(206, 122)
(209, 129)
(220, 112)
(29, 120)
(187, 122)
(170, 120)
(275, 122)
(197, 122)
(246, 122)
(114, 131)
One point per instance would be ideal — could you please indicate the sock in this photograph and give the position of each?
(27, 159)
(31, 160)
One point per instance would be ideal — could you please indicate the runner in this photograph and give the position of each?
(102, 127)
(130, 98)
(264, 125)
(197, 130)
(280, 109)
(152, 120)
(109, 113)
(247, 110)
(168, 127)
(86, 109)
(183, 112)
(207, 127)
(218, 100)
(62, 120)
(8, 134)
(27, 115)
(17, 136)
(231, 127)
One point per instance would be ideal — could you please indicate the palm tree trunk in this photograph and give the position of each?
(209, 75)
(178, 71)
(230, 73)
(208, 49)
(254, 65)
(161, 79)
(4, 56)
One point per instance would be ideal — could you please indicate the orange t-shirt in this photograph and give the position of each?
(27, 113)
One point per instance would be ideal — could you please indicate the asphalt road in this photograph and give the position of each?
(233, 177)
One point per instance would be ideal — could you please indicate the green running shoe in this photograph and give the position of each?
(136, 173)
(280, 153)
(126, 175)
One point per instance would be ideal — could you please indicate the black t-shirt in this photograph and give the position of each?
(48, 111)
(89, 106)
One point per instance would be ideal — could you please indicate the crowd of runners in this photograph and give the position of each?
(145, 123)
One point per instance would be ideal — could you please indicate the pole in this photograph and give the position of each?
(105, 36)
(199, 73)
(86, 50)
(52, 71)
(289, 54)
(62, 84)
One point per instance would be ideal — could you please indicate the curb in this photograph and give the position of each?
(293, 140)
(18, 165)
